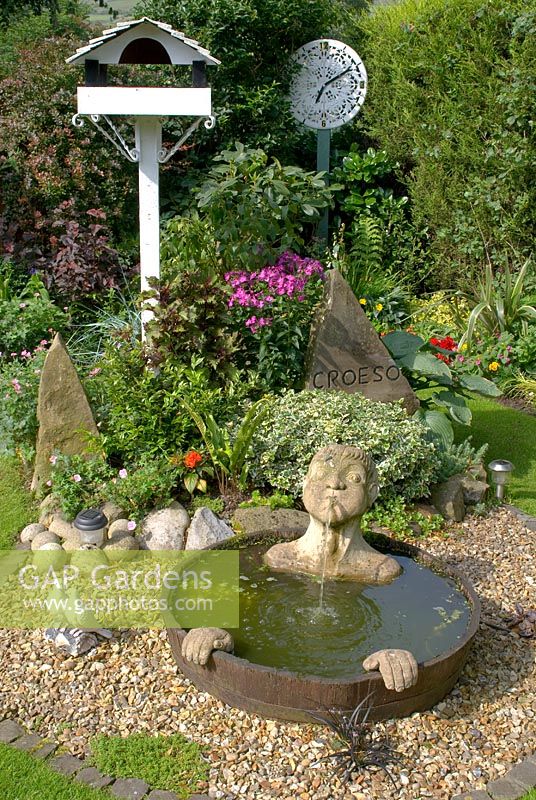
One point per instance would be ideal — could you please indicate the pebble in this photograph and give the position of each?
(475, 735)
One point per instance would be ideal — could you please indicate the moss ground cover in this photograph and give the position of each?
(511, 435)
(15, 503)
(164, 762)
(23, 777)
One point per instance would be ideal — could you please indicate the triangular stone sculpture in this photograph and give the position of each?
(63, 412)
(346, 353)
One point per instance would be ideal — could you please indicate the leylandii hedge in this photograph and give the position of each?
(298, 424)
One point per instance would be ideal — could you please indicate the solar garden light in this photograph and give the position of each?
(92, 525)
(500, 470)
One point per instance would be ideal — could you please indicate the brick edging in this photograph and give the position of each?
(13, 734)
(526, 519)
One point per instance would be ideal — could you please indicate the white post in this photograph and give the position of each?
(148, 144)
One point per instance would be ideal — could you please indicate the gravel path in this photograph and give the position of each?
(485, 725)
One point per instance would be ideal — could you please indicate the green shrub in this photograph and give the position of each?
(299, 424)
(19, 387)
(458, 458)
(150, 484)
(79, 482)
(254, 40)
(139, 409)
(28, 320)
(452, 102)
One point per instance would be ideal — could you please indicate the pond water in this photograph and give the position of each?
(282, 625)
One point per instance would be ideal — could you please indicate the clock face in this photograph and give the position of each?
(330, 84)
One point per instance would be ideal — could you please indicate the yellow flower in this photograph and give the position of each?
(379, 306)
(363, 301)
(464, 346)
(494, 366)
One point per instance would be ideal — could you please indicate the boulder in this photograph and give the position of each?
(51, 546)
(346, 353)
(29, 533)
(62, 527)
(474, 491)
(45, 537)
(164, 529)
(63, 413)
(72, 542)
(447, 497)
(47, 508)
(112, 511)
(206, 529)
(118, 526)
(122, 540)
(262, 518)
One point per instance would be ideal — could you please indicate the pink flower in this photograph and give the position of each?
(22, 305)
(26, 354)
(478, 361)
(122, 473)
(49, 483)
(43, 342)
(16, 386)
(53, 459)
(131, 525)
(77, 478)
(94, 371)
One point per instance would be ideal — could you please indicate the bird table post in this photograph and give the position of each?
(143, 41)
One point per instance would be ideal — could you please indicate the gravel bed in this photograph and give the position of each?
(475, 735)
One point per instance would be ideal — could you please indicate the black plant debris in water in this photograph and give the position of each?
(361, 748)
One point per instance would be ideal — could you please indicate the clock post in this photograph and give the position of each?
(327, 91)
(323, 145)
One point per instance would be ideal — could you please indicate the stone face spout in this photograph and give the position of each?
(340, 485)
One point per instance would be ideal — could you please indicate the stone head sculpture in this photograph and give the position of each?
(340, 485)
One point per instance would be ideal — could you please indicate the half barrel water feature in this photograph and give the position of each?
(327, 619)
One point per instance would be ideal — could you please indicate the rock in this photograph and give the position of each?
(262, 518)
(164, 529)
(112, 511)
(118, 526)
(346, 353)
(72, 542)
(63, 412)
(447, 497)
(51, 546)
(426, 509)
(129, 788)
(28, 533)
(474, 491)
(28, 742)
(62, 527)
(9, 731)
(206, 529)
(122, 540)
(47, 508)
(45, 537)
(66, 764)
(92, 777)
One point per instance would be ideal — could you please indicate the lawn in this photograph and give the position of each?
(511, 435)
(16, 508)
(23, 777)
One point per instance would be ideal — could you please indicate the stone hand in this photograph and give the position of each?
(199, 643)
(398, 668)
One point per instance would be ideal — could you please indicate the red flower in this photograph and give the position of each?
(192, 459)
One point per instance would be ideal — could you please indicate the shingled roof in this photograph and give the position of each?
(182, 49)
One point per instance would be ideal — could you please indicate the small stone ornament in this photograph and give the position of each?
(75, 641)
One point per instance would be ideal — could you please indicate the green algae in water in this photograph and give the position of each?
(283, 627)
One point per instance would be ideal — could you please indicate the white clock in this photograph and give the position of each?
(329, 86)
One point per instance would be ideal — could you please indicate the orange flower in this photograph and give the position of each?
(192, 459)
